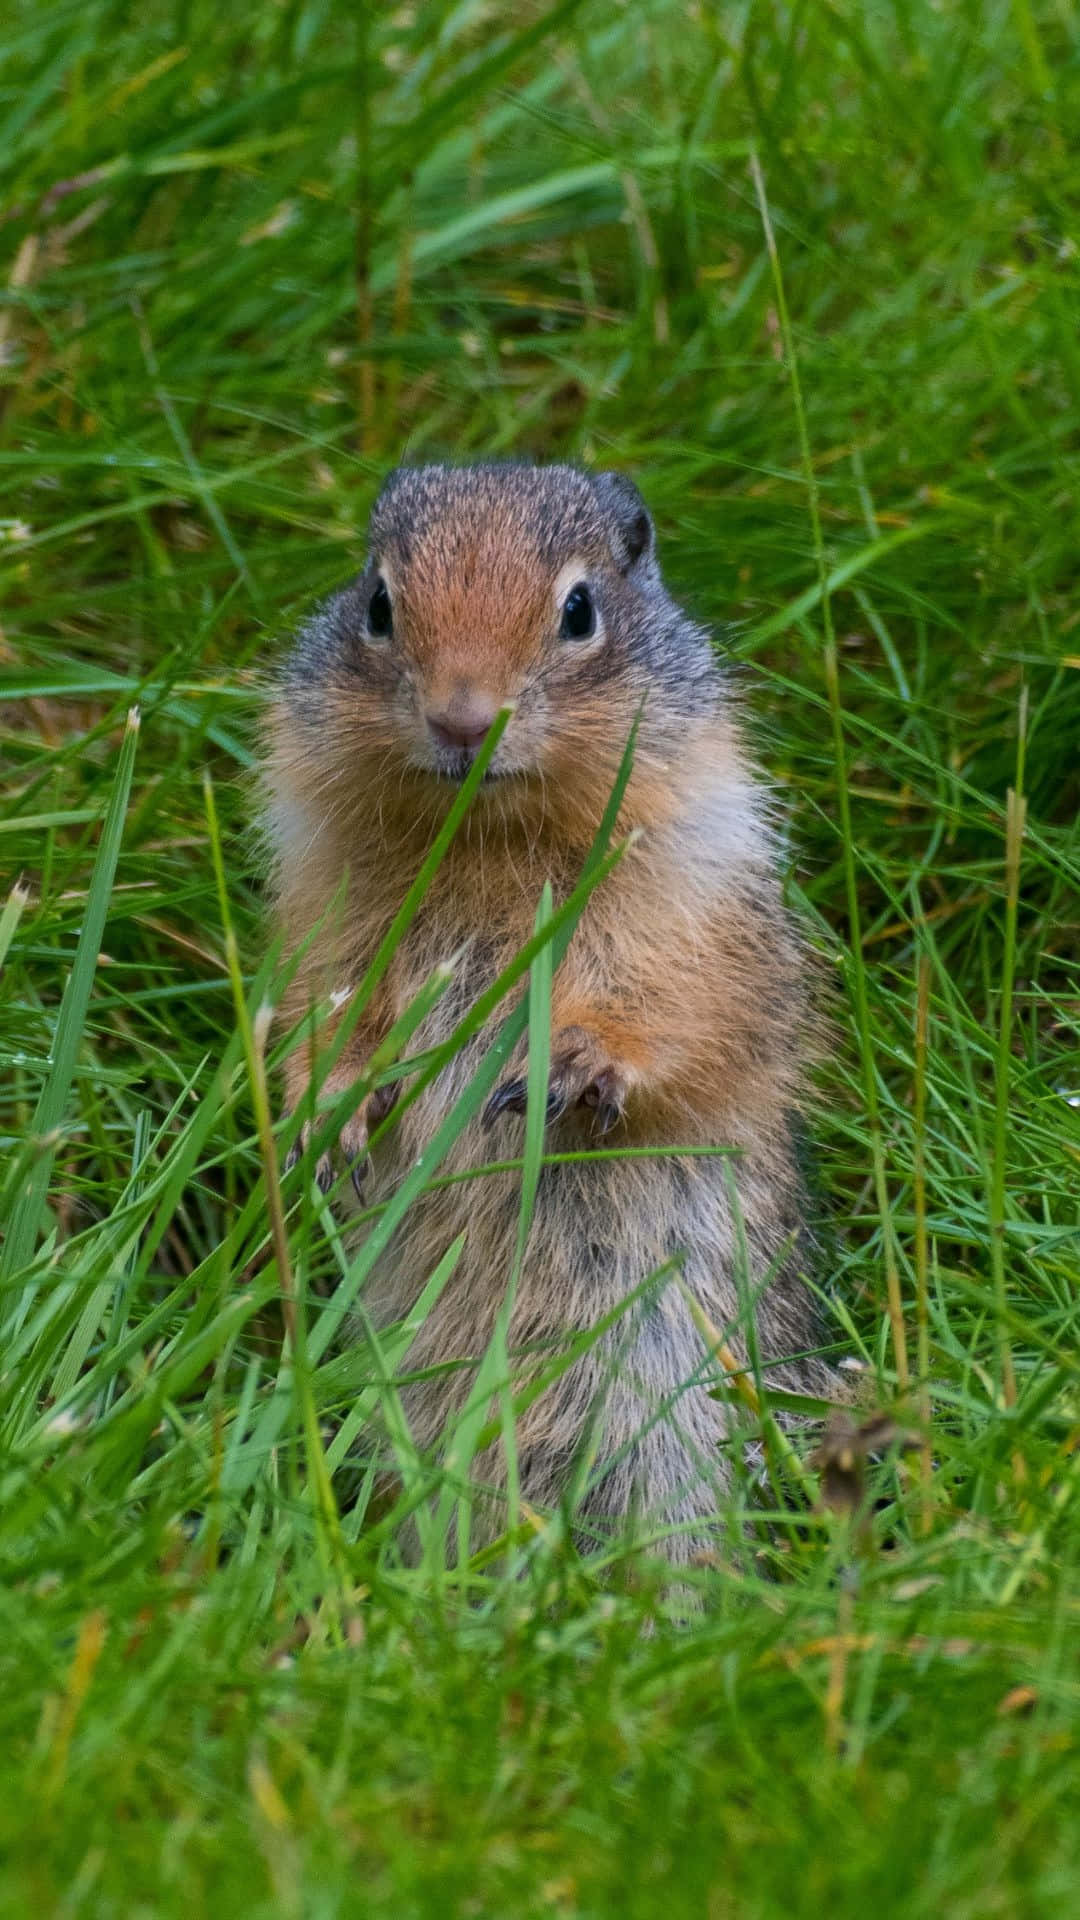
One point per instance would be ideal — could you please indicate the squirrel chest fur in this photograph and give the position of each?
(677, 1012)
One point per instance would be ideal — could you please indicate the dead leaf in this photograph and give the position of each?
(1018, 1700)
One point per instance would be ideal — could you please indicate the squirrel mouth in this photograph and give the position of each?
(455, 766)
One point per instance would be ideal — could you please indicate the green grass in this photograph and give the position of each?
(254, 255)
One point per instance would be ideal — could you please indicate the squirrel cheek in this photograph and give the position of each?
(528, 738)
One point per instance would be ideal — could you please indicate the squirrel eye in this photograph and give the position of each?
(380, 616)
(578, 615)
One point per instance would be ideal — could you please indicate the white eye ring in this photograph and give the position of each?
(573, 579)
(578, 614)
(381, 600)
(380, 613)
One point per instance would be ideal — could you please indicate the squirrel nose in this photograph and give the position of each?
(463, 727)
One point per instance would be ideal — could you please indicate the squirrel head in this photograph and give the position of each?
(533, 586)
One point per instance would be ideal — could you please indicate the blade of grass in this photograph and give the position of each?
(922, 1320)
(254, 1035)
(832, 682)
(493, 1373)
(9, 918)
(24, 1225)
(1016, 809)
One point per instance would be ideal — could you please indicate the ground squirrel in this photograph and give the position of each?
(677, 1014)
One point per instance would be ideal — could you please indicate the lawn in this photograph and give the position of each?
(253, 256)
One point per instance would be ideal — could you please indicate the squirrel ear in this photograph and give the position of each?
(635, 535)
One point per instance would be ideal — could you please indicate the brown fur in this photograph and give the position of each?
(678, 1013)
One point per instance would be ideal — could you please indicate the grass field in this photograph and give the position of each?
(252, 256)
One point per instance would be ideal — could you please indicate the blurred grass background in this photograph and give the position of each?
(251, 257)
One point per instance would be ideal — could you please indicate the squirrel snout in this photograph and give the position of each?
(462, 726)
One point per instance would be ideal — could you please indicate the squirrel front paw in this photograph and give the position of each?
(581, 1075)
(352, 1140)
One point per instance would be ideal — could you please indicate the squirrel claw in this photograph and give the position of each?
(352, 1143)
(509, 1098)
(604, 1094)
(382, 1101)
(514, 1097)
(324, 1173)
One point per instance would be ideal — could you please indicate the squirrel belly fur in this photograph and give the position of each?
(680, 1014)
